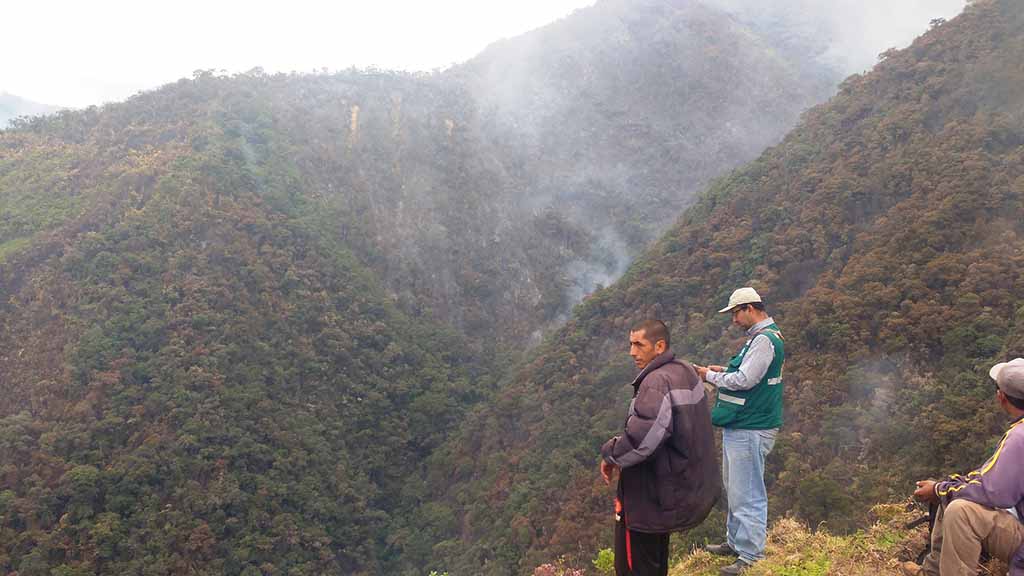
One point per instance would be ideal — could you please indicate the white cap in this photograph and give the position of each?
(1010, 377)
(742, 296)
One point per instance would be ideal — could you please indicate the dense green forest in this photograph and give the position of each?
(887, 235)
(197, 377)
(493, 194)
(239, 314)
(280, 324)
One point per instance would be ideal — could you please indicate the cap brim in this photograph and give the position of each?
(726, 309)
(995, 370)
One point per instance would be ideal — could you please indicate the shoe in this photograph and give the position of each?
(722, 549)
(734, 569)
(910, 569)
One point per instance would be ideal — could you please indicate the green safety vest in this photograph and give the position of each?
(760, 407)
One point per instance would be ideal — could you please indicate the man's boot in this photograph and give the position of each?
(722, 549)
(734, 569)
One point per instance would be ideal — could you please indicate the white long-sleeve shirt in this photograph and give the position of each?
(755, 364)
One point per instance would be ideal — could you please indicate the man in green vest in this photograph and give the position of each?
(749, 410)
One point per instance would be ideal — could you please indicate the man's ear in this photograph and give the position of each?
(660, 346)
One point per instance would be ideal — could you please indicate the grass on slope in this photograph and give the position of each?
(794, 550)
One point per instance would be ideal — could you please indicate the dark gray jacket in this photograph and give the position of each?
(670, 479)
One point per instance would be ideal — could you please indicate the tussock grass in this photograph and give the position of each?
(796, 550)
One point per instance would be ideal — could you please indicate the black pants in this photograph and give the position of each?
(639, 553)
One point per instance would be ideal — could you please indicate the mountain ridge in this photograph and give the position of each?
(238, 324)
(12, 106)
(884, 232)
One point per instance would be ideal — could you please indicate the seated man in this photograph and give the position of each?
(982, 511)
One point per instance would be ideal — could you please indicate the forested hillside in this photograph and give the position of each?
(886, 233)
(198, 375)
(239, 313)
(263, 324)
(585, 139)
(627, 109)
(494, 196)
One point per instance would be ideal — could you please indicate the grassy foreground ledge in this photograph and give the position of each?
(795, 550)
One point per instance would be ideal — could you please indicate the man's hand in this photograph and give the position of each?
(702, 371)
(926, 492)
(608, 471)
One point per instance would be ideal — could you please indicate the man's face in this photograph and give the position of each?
(643, 350)
(743, 316)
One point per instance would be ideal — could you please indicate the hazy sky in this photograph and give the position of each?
(76, 53)
(90, 51)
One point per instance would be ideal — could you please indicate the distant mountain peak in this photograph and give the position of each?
(13, 106)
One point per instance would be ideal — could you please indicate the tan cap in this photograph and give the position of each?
(1010, 377)
(742, 296)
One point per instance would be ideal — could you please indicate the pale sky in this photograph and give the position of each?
(82, 52)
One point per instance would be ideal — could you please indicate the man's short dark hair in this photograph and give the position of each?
(1017, 403)
(754, 305)
(654, 330)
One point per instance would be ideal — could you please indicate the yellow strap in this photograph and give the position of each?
(972, 478)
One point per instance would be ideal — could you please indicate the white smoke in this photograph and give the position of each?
(854, 32)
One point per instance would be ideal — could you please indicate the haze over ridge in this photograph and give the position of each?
(109, 50)
(224, 339)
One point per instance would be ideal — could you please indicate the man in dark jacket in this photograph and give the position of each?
(668, 477)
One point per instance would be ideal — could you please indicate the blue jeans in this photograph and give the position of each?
(743, 454)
